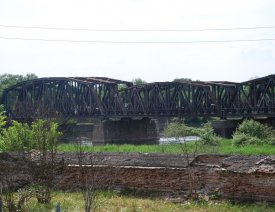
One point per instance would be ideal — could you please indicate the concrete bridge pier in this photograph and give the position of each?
(267, 121)
(77, 132)
(225, 128)
(126, 131)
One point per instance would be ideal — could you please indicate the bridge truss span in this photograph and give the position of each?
(66, 97)
(104, 97)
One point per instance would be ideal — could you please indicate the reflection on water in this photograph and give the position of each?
(180, 140)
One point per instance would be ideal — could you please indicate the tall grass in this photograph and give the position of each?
(113, 201)
(225, 147)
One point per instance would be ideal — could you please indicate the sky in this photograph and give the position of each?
(144, 55)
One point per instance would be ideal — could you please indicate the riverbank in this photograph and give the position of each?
(238, 178)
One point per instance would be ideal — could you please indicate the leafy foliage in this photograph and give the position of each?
(207, 135)
(41, 135)
(138, 81)
(253, 132)
(16, 138)
(255, 129)
(45, 135)
(244, 139)
(7, 80)
(178, 130)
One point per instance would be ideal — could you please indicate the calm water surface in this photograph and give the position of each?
(181, 140)
(162, 140)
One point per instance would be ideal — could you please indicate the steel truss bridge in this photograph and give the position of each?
(99, 97)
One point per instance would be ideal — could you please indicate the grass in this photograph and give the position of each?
(113, 201)
(225, 147)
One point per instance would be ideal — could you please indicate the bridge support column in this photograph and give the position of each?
(267, 121)
(78, 132)
(126, 131)
(225, 128)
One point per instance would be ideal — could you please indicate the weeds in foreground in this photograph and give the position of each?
(114, 201)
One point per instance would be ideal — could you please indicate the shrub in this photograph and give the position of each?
(255, 129)
(177, 130)
(271, 140)
(42, 135)
(253, 132)
(16, 138)
(243, 139)
(45, 135)
(207, 135)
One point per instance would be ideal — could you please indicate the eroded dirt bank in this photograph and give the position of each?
(229, 177)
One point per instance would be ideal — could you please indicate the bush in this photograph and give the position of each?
(271, 140)
(42, 135)
(255, 129)
(16, 138)
(45, 135)
(253, 132)
(177, 130)
(207, 135)
(243, 139)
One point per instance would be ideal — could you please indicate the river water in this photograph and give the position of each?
(162, 140)
(180, 140)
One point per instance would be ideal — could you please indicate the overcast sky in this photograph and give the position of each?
(229, 61)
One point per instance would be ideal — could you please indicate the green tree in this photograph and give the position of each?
(183, 80)
(45, 135)
(7, 80)
(177, 130)
(138, 81)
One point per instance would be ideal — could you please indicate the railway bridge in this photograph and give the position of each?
(108, 99)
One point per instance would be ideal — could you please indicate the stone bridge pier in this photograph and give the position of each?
(123, 131)
(225, 128)
(126, 130)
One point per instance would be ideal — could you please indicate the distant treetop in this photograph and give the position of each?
(138, 81)
(7, 80)
(183, 80)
